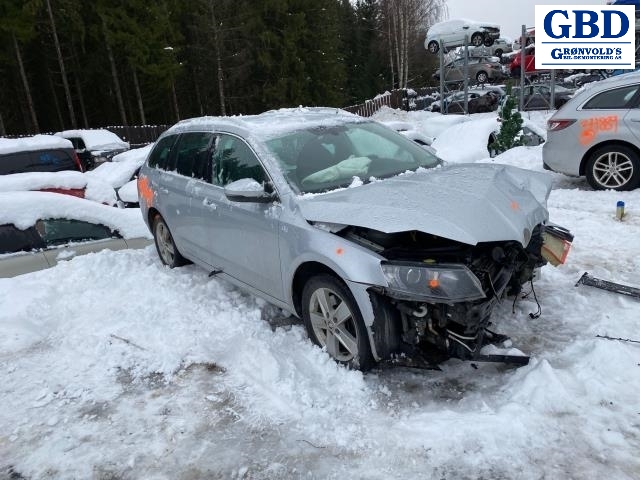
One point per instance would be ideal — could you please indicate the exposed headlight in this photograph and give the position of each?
(439, 282)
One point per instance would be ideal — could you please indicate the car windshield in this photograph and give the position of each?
(325, 158)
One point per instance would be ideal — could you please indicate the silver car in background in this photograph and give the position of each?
(343, 222)
(597, 134)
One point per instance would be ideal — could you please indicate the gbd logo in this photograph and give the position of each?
(585, 36)
(585, 19)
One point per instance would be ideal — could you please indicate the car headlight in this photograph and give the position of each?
(441, 282)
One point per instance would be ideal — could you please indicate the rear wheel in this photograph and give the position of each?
(433, 47)
(614, 167)
(477, 39)
(498, 52)
(488, 41)
(334, 322)
(165, 246)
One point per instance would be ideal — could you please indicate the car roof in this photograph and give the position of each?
(592, 88)
(269, 124)
(34, 143)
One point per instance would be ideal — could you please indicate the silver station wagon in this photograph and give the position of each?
(597, 134)
(362, 233)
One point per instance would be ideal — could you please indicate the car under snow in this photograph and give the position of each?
(381, 249)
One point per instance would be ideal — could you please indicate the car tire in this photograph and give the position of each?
(498, 52)
(482, 77)
(433, 47)
(477, 39)
(165, 246)
(488, 41)
(343, 335)
(615, 167)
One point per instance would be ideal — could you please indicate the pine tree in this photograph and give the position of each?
(510, 127)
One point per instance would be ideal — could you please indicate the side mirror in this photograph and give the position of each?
(247, 190)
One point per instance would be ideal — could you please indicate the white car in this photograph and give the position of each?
(500, 46)
(452, 34)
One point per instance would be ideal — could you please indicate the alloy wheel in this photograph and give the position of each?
(333, 324)
(612, 170)
(165, 243)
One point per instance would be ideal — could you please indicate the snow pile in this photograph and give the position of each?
(123, 167)
(37, 142)
(24, 209)
(95, 189)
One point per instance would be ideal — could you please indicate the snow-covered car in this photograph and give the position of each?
(353, 227)
(452, 33)
(39, 153)
(408, 130)
(72, 183)
(95, 147)
(39, 229)
(478, 101)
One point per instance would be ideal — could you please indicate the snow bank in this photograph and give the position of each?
(37, 142)
(467, 141)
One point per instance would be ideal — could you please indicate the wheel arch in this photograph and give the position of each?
(303, 273)
(606, 143)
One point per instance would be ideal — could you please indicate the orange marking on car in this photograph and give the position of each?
(515, 206)
(339, 251)
(591, 127)
(145, 191)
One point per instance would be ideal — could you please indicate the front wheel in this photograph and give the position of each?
(333, 322)
(433, 47)
(488, 41)
(614, 167)
(166, 247)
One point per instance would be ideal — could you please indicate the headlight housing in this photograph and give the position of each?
(442, 282)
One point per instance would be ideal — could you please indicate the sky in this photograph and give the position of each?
(509, 14)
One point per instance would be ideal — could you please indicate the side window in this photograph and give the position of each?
(58, 231)
(17, 162)
(192, 155)
(159, 156)
(612, 99)
(13, 239)
(233, 160)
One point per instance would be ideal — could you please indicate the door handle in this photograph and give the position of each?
(209, 204)
(163, 190)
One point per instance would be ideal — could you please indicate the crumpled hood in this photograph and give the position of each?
(469, 203)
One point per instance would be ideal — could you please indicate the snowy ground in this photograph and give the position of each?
(113, 367)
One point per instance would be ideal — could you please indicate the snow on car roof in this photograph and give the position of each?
(95, 189)
(24, 209)
(94, 139)
(443, 26)
(273, 122)
(37, 142)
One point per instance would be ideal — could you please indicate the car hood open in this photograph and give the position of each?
(469, 203)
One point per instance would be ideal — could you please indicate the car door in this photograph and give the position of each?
(190, 148)
(241, 238)
(20, 251)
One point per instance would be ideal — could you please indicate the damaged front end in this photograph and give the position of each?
(443, 291)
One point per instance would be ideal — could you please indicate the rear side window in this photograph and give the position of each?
(38, 161)
(58, 231)
(13, 239)
(161, 153)
(192, 155)
(612, 99)
(233, 160)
